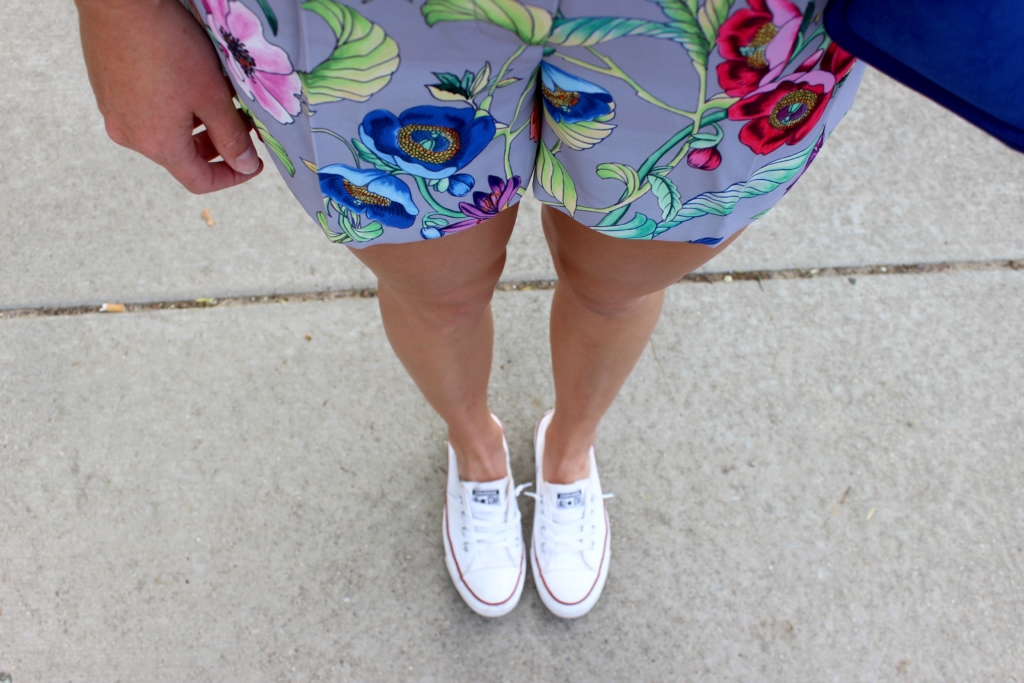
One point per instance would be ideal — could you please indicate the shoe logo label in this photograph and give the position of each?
(573, 499)
(486, 496)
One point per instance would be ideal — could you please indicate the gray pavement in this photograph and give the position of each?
(205, 495)
(208, 495)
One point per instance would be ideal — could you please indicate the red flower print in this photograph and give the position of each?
(706, 159)
(757, 44)
(535, 121)
(784, 112)
(837, 61)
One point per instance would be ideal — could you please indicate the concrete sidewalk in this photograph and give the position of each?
(207, 495)
(816, 478)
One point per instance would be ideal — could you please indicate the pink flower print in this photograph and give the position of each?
(260, 70)
(757, 44)
(705, 159)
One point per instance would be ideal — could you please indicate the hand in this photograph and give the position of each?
(157, 78)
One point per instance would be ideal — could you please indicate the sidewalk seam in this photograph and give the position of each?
(529, 285)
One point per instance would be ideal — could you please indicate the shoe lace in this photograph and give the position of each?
(560, 533)
(496, 533)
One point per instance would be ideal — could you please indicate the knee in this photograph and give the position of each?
(608, 303)
(443, 309)
(452, 311)
(446, 300)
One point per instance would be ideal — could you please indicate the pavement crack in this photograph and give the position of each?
(850, 272)
(854, 271)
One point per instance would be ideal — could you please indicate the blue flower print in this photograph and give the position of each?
(460, 184)
(429, 142)
(569, 99)
(381, 197)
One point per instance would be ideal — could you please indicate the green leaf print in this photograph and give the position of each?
(451, 88)
(669, 199)
(367, 155)
(677, 10)
(532, 24)
(580, 135)
(705, 140)
(335, 237)
(269, 140)
(586, 31)
(711, 16)
(696, 26)
(269, 13)
(363, 60)
(722, 203)
(627, 174)
(351, 231)
(555, 180)
(640, 227)
(368, 232)
(434, 220)
(687, 29)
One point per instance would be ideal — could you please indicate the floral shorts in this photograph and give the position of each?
(403, 120)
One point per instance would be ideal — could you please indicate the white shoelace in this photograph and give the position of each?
(560, 533)
(493, 534)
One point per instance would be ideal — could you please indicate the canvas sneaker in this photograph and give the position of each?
(483, 539)
(570, 549)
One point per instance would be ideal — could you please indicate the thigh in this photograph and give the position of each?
(604, 269)
(459, 270)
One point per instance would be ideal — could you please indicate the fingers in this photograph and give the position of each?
(191, 166)
(157, 78)
(229, 133)
(204, 145)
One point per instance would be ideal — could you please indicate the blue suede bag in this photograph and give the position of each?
(967, 55)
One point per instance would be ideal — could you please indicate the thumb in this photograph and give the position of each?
(229, 133)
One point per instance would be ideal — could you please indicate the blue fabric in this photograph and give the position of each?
(963, 54)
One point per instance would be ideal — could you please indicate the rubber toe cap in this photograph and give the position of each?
(570, 586)
(493, 585)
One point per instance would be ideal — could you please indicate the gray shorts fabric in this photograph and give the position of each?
(396, 121)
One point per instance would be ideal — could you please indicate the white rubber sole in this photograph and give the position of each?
(554, 605)
(484, 609)
(575, 610)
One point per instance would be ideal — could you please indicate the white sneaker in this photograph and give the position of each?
(483, 539)
(570, 547)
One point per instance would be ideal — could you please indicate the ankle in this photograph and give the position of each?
(566, 470)
(566, 460)
(480, 452)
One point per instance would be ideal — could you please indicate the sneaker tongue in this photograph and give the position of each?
(568, 499)
(487, 498)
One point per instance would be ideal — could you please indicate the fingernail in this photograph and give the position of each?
(248, 162)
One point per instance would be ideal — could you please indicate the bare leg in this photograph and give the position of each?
(607, 301)
(435, 303)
